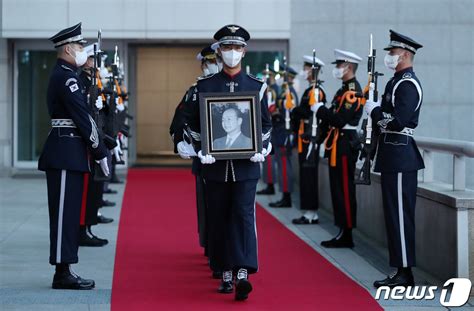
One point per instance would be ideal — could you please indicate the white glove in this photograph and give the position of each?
(117, 151)
(104, 166)
(267, 151)
(98, 103)
(185, 150)
(369, 106)
(258, 157)
(120, 107)
(314, 108)
(206, 159)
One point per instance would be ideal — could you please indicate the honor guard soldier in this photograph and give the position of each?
(283, 138)
(93, 190)
(72, 139)
(342, 145)
(302, 118)
(398, 158)
(231, 184)
(268, 167)
(209, 66)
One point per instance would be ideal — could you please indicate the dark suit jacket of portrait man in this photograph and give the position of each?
(241, 142)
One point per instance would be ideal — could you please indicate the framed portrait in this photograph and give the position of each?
(231, 124)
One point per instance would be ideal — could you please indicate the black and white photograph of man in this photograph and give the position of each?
(233, 130)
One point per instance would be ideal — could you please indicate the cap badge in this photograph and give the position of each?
(233, 29)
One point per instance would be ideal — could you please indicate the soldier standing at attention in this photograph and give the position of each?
(398, 158)
(342, 146)
(231, 184)
(283, 140)
(302, 118)
(94, 189)
(65, 157)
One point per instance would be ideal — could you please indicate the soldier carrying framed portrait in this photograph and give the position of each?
(231, 125)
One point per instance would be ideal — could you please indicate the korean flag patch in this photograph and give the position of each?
(73, 87)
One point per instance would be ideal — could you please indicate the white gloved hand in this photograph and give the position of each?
(185, 150)
(267, 151)
(104, 166)
(206, 159)
(98, 103)
(314, 108)
(369, 106)
(258, 157)
(120, 107)
(118, 152)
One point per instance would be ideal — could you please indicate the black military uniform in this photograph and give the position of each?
(342, 148)
(398, 160)
(302, 121)
(207, 57)
(231, 184)
(65, 158)
(93, 190)
(269, 172)
(283, 141)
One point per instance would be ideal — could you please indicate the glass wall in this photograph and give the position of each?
(257, 60)
(33, 122)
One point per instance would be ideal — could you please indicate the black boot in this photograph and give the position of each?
(242, 285)
(284, 202)
(342, 240)
(65, 278)
(403, 277)
(226, 286)
(270, 189)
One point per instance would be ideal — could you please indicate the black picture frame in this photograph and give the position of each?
(219, 139)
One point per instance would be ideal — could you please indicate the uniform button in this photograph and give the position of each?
(71, 134)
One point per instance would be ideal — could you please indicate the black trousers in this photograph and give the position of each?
(399, 200)
(65, 190)
(341, 178)
(201, 211)
(232, 227)
(309, 190)
(95, 189)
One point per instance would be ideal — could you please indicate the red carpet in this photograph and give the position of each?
(160, 266)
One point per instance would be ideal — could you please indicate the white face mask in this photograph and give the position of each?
(80, 57)
(212, 68)
(205, 72)
(391, 61)
(220, 66)
(304, 74)
(231, 58)
(338, 73)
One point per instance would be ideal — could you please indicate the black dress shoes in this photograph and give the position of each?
(107, 203)
(110, 191)
(86, 238)
(242, 285)
(69, 280)
(403, 277)
(305, 221)
(284, 202)
(342, 240)
(270, 189)
(101, 219)
(226, 286)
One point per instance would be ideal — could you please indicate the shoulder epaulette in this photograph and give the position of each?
(200, 78)
(66, 68)
(255, 78)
